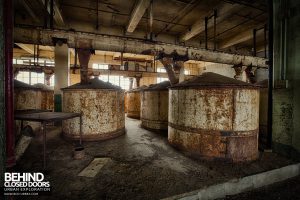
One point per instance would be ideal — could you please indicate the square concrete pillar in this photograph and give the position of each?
(61, 71)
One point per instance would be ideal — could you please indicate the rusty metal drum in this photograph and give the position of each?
(102, 108)
(154, 106)
(215, 117)
(27, 97)
(125, 102)
(134, 103)
(47, 96)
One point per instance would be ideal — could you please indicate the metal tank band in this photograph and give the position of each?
(215, 117)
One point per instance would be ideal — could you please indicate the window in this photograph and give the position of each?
(116, 80)
(187, 72)
(24, 77)
(31, 77)
(37, 78)
(161, 79)
(52, 80)
(162, 70)
(103, 78)
(99, 66)
(124, 83)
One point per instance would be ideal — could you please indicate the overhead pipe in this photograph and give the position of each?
(265, 40)
(206, 34)
(215, 30)
(51, 13)
(46, 14)
(254, 42)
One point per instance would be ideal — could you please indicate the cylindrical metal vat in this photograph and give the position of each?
(134, 103)
(263, 112)
(125, 102)
(26, 97)
(102, 108)
(47, 96)
(154, 106)
(215, 117)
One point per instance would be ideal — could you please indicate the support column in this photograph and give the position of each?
(61, 72)
(9, 107)
(2, 96)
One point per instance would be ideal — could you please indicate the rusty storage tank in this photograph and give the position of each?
(27, 97)
(154, 106)
(263, 113)
(125, 102)
(102, 108)
(47, 96)
(134, 102)
(215, 117)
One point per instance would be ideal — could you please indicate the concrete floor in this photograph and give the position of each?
(288, 189)
(143, 166)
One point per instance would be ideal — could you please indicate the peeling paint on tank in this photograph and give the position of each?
(213, 123)
(103, 113)
(25, 99)
(133, 104)
(154, 109)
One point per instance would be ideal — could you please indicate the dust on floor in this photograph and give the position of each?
(143, 166)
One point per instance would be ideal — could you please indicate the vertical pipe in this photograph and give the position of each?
(97, 25)
(206, 22)
(215, 30)
(270, 96)
(51, 13)
(265, 40)
(9, 111)
(151, 20)
(2, 96)
(254, 42)
(46, 14)
(121, 59)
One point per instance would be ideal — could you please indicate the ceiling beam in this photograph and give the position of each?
(239, 38)
(137, 14)
(223, 12)
(130, 45)
(30, 11)
(27, 47)
(58, 16)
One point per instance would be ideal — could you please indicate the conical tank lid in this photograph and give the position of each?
(94, 83)
(22, 85)
(43, 87)
(138, 89)
(213, 80)
(159, 86)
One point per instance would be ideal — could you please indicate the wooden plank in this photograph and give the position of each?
(94, 167)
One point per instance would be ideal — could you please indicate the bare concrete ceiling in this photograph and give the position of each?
(172, 19)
